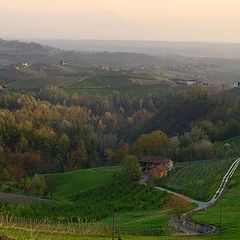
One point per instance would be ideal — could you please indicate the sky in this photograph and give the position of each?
(157, 20)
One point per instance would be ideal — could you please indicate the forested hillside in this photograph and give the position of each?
(51, 131)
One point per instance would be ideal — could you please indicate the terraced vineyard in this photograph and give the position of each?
(230, 207)
(197, 180)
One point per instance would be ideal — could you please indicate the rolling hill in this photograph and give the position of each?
(72, 183)
(198, 180)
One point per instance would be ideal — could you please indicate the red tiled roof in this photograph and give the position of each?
(162, 168)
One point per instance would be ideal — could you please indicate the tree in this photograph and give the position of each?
(38, 185)
(156, 143)
(197, 151)
(132, 168)
(79, 157)
(178, 206)
(115, 156)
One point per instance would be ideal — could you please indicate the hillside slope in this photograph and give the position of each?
(198, 180)
(230, 211)
(72, 183)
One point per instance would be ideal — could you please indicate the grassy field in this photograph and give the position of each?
(230, 221)
(72, 183)
(139, 219)
(74, 69)
(230, 208)
(134, 91)
(36, 83)
(36, 235)
(234, 142)
(197, 180)
(92, 194)
(117, 80)
(26, 235)
(88, 82)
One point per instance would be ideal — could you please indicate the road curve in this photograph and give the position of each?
(203, 205)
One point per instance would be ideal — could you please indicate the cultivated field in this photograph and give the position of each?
(72, 183)
(230, 222)
(198, 180)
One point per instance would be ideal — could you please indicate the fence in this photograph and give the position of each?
(200, 229)
(206, 161)
(72, 228)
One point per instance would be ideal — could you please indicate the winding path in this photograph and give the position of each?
(202, 205)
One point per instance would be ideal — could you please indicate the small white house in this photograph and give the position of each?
(25, 64)
(191, 82)
(236, 84)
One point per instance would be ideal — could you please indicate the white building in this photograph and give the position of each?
(236, 84)
(191, 82)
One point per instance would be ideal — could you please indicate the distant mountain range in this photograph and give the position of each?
(189, 49)
(16, 51)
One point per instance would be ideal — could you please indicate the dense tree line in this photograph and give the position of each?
(50, 130)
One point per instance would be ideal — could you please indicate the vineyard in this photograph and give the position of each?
(229, 208)
(78, 229)
(198, 180)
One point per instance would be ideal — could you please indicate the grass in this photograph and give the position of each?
(117, 80)
(72, 183)
(230, 206)
(88, 82)
(230, 220)
(93, 195)
(23, 235)
(197, 180)
(234, 142)
(139, 219)
(36, 83)
(134, 91)
(75, 69)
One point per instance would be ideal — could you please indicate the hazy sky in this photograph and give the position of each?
(184, 20)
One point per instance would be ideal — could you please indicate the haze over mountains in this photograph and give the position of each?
(190, 49)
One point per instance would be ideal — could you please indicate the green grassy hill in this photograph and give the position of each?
(143, 216)
(234, 142)
(197, 180)
(72, 183)
(92, 195)
(133, 91)
(230, 206)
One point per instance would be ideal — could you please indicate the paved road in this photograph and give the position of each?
(204, 205)
(20, 199)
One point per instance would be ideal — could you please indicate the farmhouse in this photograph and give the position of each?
(156, 166)
(192, 82)
(63, 62)
(236, 84)
(188, 82)
(25, 64)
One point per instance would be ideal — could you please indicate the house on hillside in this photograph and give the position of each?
(25, 64)
(236, 84)
(156, 166)
(63, 62)
(192, 82)
(188, 82)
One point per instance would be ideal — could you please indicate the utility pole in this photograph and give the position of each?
(113, 225)
(220, 219)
